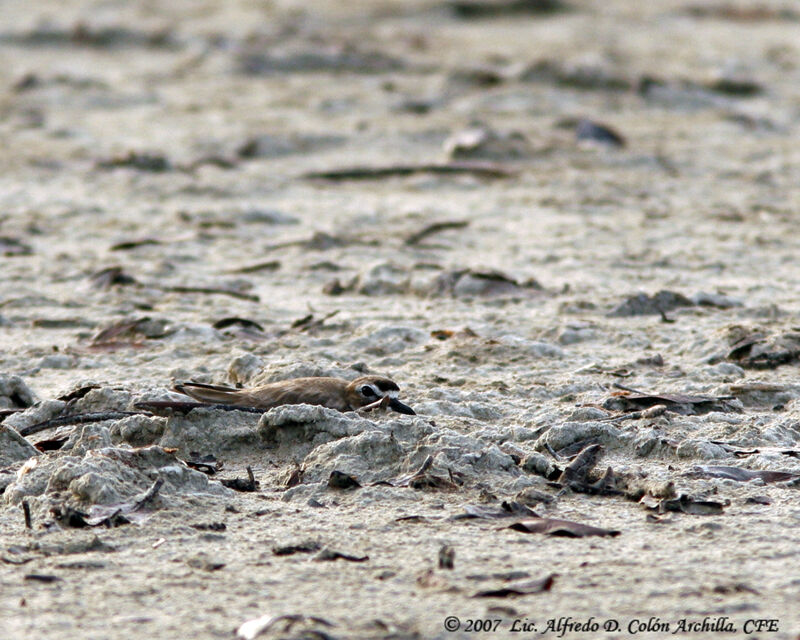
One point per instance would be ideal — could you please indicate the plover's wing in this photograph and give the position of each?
(326, 392)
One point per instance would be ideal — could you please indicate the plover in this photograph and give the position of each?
(365, 393)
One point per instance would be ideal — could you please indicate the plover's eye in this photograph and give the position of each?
(367, 391)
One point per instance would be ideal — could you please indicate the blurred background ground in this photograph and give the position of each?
(156, 161)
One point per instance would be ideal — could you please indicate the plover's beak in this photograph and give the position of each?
(398, 406)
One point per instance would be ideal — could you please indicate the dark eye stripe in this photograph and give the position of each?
(367, 391)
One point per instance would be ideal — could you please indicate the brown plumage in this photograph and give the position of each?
(334, 393)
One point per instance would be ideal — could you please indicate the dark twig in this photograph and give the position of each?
(407, 480)
(240, 484)
(26, 509)
(619, 385)
(151, 493)
(112, 276)
(81, 418)
(551, 451)
(577, 471)
(133, 244)
(42, 577)
(307, 323)
(269, 265)
(664, 316)
(372, 173)
(646, 414)
(436, 227)
(381, 404)
(212, 291)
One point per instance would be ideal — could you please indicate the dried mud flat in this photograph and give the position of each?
(511, 208)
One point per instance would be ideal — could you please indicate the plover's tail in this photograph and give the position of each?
(213, 393)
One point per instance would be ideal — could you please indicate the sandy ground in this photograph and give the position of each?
(194, 124)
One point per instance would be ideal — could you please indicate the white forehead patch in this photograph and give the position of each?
(381, 394)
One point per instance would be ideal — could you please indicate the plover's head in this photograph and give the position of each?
(368, 390)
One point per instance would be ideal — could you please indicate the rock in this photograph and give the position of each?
(523, 434)
(651, 444)
(384, 279)
(760, 394)
(390, 340)
(443, 408)
(14, 393)
(58, 361)
(335, 287)
(587, 76)
(244, 368)
(482, 143)
(575, 335)
(696, 448)
(466, 282)
(137, 431)
(718, 300)
(533, 348)
(563, 435)
(531, 496)
(266, 216)
(302, 414)
(483, 411)
(762, 349)
(13, 447)
(465, 454)
(539, 464)
(86, 438)
(209, 430)
(587, 414)
(681, 94)
(14, 247)
(268, 60)
(369, 456)
(726, 370)
(783, 434)
(103, 399)
(299, 428)
(107, 476)
(596, 132)
(204, 562)
(489, 283)
(194, 333)
(277, 145)
(644, 305)
(46, 410)
(382, 450)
